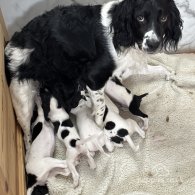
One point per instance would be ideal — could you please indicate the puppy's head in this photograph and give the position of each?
(151, 24)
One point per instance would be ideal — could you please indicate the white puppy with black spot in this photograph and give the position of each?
(88, 129)
(119, 129)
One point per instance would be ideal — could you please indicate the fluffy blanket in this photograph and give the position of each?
(165, 163)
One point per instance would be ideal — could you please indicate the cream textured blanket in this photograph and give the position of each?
(165, 163)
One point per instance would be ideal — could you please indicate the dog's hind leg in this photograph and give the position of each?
(23, 94)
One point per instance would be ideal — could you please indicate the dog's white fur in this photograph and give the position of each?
(23, 97)
(17, 56)
(40, 162)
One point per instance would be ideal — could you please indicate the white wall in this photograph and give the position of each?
(19, 12)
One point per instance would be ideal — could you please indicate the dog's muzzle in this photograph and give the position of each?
(151, 42)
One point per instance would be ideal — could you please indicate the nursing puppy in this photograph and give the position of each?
(67, 133)
(115, 90)
(40, 163)
(116, 129)
(119, 129)
(89, 130)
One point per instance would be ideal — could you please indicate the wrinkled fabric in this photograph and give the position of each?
(165, 164)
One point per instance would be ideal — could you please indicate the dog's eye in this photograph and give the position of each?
(140, 18)
(163, 19)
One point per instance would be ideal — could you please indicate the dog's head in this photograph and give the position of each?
(151, 24)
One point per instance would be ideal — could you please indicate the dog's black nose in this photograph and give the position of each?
(152, 44)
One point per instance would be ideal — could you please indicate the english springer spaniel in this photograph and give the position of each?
(71, 48)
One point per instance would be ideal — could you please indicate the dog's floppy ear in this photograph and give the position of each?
(173, 32)
(121, 25)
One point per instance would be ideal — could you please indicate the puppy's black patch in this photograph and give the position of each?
(116, 139)
(135, 104)
(109, 125)
(64, 133)
(105, 113)
(56, 125)
(73, 142)
(31, 180)
(122, 132)
(40, 190)
(67, 123)
(36, 130)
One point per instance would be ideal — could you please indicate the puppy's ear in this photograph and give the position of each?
(122, 24)
(173, 32)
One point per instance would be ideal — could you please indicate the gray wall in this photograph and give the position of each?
(19, 12)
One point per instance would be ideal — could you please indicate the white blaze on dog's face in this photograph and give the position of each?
(151, 41)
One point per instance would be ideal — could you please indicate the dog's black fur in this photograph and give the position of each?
(71, 50)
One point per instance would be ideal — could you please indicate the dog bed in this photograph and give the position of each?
(165, 163)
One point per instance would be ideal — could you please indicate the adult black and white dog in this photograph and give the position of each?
(70, 48)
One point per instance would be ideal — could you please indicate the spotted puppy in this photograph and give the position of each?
(40, 163)
(67, 133)
(88, 128)
(118, 129)
(115, 90)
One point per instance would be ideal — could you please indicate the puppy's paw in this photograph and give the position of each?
(76, 181)
(136, 148)
(143, 134)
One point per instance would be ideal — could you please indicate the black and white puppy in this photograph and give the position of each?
(115, 90)
(66, 133)
(69, 48)
(40, 163)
